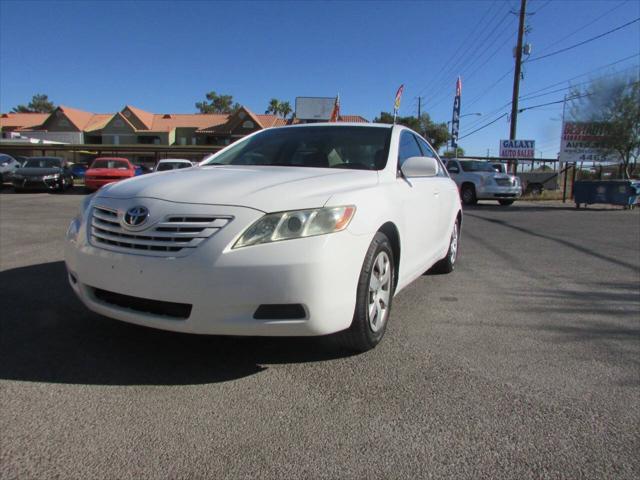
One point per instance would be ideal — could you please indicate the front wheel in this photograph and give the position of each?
(373, 297)
(468, 194)
(505, 203)
(448, 263)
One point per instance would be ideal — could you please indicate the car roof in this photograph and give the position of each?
(167, 160)
(335, 125)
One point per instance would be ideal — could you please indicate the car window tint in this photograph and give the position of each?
(427, 151)
(361, 148)
(408, 147)
(452, 164)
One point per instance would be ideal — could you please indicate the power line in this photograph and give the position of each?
(484, 126)
(544, 49)
(456, 63)
(535, 59)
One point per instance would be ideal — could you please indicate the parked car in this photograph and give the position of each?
(105, 170)
(479, 180)
(8, 165)
(43, 173)
(533, 183)
(142, 169)
(173, 164)
(301, 230)
(78, 170)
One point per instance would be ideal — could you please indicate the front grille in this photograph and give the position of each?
(504, 182)
(173, 234)
(145, 305)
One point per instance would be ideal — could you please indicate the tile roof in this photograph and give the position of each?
(79, 118)
(98, 121)
(167, 122)
(352, 119)
(22, 120)
(145, 117)
(269, 120)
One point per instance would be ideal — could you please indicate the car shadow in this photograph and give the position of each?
(49, 336)
(535, 206)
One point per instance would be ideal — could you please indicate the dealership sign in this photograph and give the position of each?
(585, 142)
(518, 148)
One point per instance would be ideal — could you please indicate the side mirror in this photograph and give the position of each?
(420, 167)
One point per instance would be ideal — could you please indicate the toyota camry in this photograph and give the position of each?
(294, 231)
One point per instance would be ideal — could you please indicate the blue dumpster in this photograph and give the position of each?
(614, 192)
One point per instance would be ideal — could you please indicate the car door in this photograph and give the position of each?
(420, 209)
(448, 192)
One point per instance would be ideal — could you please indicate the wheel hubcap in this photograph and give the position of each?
(379, 291)
(453, 246)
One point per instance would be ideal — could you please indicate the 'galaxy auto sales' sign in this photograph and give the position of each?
(518, 148)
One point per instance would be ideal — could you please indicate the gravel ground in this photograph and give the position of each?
(523, 363)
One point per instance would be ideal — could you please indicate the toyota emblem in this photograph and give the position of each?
(136, 216)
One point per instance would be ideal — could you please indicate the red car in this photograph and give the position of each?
(107, 170)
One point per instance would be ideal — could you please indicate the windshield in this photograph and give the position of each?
(361, 148)
(117, 164)
(172, 166)
(477, 166)
(43, 163)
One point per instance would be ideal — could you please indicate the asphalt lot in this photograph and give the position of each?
(523, 363)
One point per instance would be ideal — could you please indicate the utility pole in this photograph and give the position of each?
(517, 72)
(419, 106)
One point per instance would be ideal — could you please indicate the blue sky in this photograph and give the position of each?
(164, 56)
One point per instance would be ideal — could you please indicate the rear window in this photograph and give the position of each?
(117, 164)
(359, 148)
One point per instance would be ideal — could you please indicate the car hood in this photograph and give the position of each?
(269, 189)
(34, 172)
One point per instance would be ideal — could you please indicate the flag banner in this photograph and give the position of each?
(335, 113)
(396, 104)
(455, 119)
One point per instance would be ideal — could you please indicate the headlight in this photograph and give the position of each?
(76, 223)
(274, 227)
(53, 176)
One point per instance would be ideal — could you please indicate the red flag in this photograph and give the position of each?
(335, 113)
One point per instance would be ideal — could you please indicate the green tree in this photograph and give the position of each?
(436, 133)
(39, 104)
(458, 152)
(285, 109)
(215, 103)
(274, 106)
(615, 103)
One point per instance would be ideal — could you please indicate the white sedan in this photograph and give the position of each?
(302, 230)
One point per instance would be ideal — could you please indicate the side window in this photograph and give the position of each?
(408, 147)
(453, 167)
(427, 151)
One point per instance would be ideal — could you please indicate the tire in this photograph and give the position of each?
(535, 189)
(365, 333)
(448, 263)
(505, 203)
(468, 195)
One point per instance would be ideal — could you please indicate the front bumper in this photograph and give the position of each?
(34, 183)
(498, 192)
(224, 287)
(96, 183)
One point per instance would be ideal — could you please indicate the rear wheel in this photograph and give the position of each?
(505, 203)
(468, 195)
(373, 297)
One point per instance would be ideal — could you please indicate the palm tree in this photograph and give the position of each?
(274, 106)
(285, 109)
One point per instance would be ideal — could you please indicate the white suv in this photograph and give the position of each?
(479, 180)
